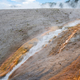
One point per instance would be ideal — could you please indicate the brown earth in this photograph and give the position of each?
(71, 72)
(43, 66)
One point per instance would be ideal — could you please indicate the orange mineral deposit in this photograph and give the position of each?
(14, 58)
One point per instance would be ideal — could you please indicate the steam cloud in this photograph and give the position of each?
(31, 4)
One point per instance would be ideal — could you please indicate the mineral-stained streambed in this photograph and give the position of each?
(46, 56)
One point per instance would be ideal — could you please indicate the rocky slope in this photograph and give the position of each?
(19, 26)
(46, 64)
(43, 66)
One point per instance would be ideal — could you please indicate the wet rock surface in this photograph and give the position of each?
(43, 66)
(19, 26)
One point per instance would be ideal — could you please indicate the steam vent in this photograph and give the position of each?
(50, 54)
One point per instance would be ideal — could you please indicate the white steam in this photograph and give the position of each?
(42, 42)
(71, 24)
(31, 4)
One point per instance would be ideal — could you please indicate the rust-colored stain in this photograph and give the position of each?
(63, 41)
(72, 72)
(14, 58)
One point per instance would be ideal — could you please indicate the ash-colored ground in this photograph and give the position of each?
(19, 26)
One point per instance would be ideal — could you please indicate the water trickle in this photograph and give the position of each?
(42, 42)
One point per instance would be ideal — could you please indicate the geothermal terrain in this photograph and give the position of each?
(40, 44)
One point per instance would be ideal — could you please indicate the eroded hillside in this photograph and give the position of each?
(19, 26)
(52, 54)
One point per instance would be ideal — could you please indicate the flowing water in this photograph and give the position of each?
(41, 43)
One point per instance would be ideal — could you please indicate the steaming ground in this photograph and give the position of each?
(19, 26)
(42, 67)
(33, 4)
